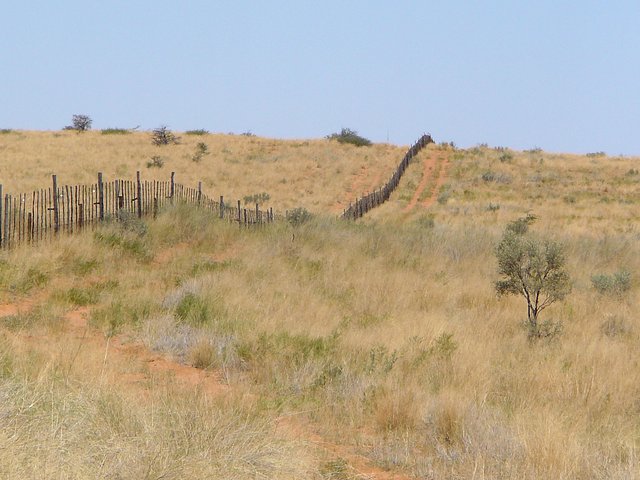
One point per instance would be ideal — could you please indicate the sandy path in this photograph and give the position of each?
(435, 164)
(121, 349)
(442, 177)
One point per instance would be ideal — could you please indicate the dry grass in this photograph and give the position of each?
(319, 174)
(386, 333)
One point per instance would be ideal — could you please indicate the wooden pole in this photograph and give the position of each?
(56, 213)
(173, 186)
(221, 206)
(239, 219)
(199, 193)
(100, 197)
(155, 207)
(29, 227)
(139, 194)
(80, 216)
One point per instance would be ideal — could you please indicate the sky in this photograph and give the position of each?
(561, 75)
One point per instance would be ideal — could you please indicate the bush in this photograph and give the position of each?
(201, 150)
(156, 162)
(115, 131)
(259, 198)
(163, 136)
(298, 216)
(349, 136)
(616, 284)
(201, 131)
(5, 131)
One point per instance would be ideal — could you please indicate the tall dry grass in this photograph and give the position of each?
(319, 174)
(387, 333)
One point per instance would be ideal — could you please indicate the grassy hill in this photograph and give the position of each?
(328, 349)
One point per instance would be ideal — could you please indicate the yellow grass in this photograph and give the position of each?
(386, 333)
(318, 174)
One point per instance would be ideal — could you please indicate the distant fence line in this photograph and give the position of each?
(378, 197)
(29, 217)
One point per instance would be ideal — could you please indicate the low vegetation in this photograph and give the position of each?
(349, 136)
(385, 335)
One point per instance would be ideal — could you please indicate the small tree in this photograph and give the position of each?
(80, 123)
(163, 136)
(533, 268)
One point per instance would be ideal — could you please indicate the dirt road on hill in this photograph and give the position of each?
(434, 174)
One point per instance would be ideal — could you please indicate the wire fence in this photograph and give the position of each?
(381, 195)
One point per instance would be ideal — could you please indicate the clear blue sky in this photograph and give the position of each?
(560, 75)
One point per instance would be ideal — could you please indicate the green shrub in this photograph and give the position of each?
(200, 131)
(349, 136)
(201, 150)
(259, 198)
(193, 310)
(506, 157)
(298, 216)
(5, 131)
(81, 296)
(156, 162)
(616, 284)
(115, 131)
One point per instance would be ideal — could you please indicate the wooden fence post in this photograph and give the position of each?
(139, 194)
(80, 216)
(155, 207)
(257, 213)
(29, 227)
(56, 212)
(100, 196)
(239, 219)
(221, 206)
(199, 193)
(173, 186)
(7, 220)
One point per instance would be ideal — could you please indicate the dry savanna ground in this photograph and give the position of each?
(186, 347)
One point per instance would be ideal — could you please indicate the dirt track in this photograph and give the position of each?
(125, 351)
(434, 174)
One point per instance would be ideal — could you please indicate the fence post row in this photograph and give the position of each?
(71, 208)
(370, 201)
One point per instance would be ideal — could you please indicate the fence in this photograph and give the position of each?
(378, 197)
(41, 214)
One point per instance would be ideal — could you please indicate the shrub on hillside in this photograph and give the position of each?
(347, 135)
(259, 198)
(163, 136)
(615, 284)
(201, 150)
(115, 131)
(298, 216)
(200, 131)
